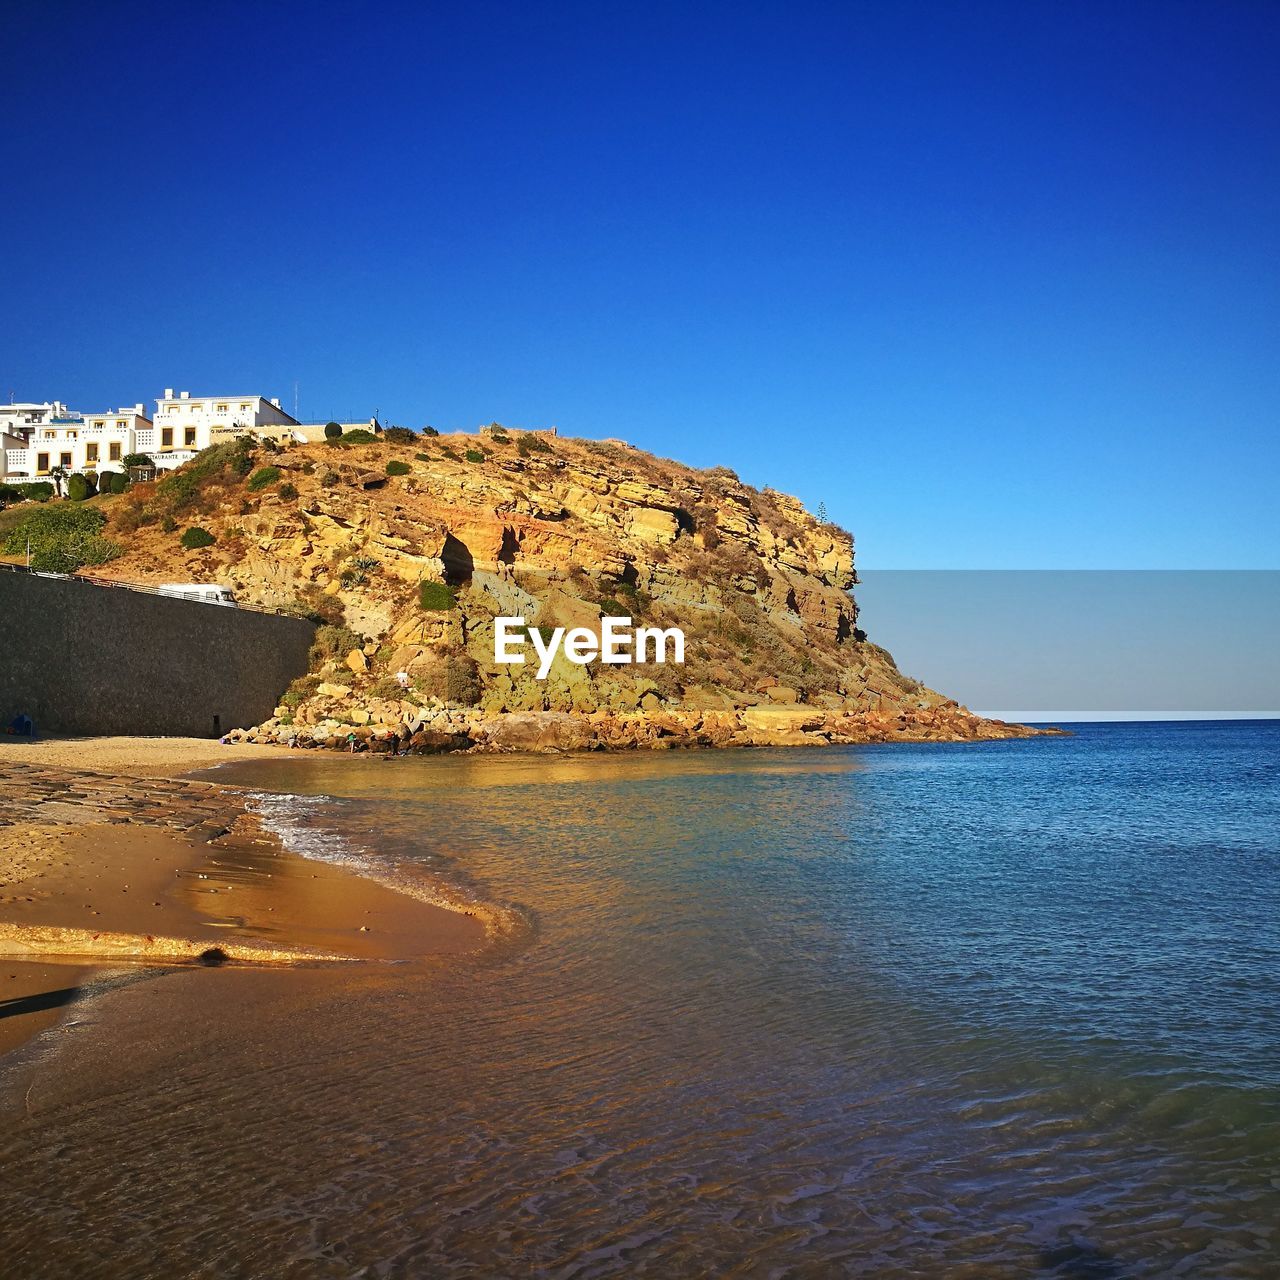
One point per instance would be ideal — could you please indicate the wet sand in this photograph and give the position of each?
(110, 876)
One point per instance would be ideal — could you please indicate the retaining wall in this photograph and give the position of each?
(84, 659)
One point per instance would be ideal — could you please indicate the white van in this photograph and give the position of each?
(207, 592)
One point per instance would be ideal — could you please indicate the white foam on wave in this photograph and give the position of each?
(297, 822)
(303, 824)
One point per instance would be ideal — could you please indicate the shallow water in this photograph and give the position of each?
(995, 1010)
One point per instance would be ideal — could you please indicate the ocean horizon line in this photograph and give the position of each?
(1125, 717)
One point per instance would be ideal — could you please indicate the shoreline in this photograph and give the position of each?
(116, 859)
(117, 865)
(380, 725)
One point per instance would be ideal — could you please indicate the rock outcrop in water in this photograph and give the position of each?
(411, 549)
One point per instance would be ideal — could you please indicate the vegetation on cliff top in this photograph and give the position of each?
(62, 537)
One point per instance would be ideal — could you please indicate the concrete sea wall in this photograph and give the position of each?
(81, 658)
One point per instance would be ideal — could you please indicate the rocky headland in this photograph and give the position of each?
(407, 547)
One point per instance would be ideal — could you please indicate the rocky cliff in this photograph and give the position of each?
(560, 532)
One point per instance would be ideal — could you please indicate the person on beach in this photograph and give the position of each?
(351, 743)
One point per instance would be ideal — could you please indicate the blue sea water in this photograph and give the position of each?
(1002, 1009)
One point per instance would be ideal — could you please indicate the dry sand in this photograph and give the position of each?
(133, 869)
(139, 757)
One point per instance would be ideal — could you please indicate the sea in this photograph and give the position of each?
(1001, 1009)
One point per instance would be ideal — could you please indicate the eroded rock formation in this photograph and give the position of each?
(560, 532)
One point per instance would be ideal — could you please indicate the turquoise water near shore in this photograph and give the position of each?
(993, 1010)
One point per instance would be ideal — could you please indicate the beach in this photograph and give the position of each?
(112, 865)
(139, 757)
(945, 1009)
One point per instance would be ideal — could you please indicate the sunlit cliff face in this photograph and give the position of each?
(409, 551)
(559, 532)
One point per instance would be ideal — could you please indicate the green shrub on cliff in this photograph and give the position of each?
(62, 539)
(357, 570)
(218, 464)
(399, 435)
(462, 680)
(397, 468)
(436, 597)
(455, 679)
(196, 537)
(263, 478)
(626, 601)
(359, 436)
(333, 643)
(299, 691)
(527, 444)
(386, 687)
(475, 455)
(80, 487)
(36, 490)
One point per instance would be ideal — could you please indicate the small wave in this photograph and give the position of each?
(296, 820)
(305, 825)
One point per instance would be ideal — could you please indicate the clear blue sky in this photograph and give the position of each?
(999, 283)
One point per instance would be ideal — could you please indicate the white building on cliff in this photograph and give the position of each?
(75, 442)
(184, 424)
(20, 420)
(37, 439)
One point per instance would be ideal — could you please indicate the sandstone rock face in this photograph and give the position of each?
(537, 731)
(559, 532)
(782, 718)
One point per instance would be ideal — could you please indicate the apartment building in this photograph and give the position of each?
(37, 439)
(107, 439)
(21, 420)
(20, 424)
(185, 424)
(76, 442)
